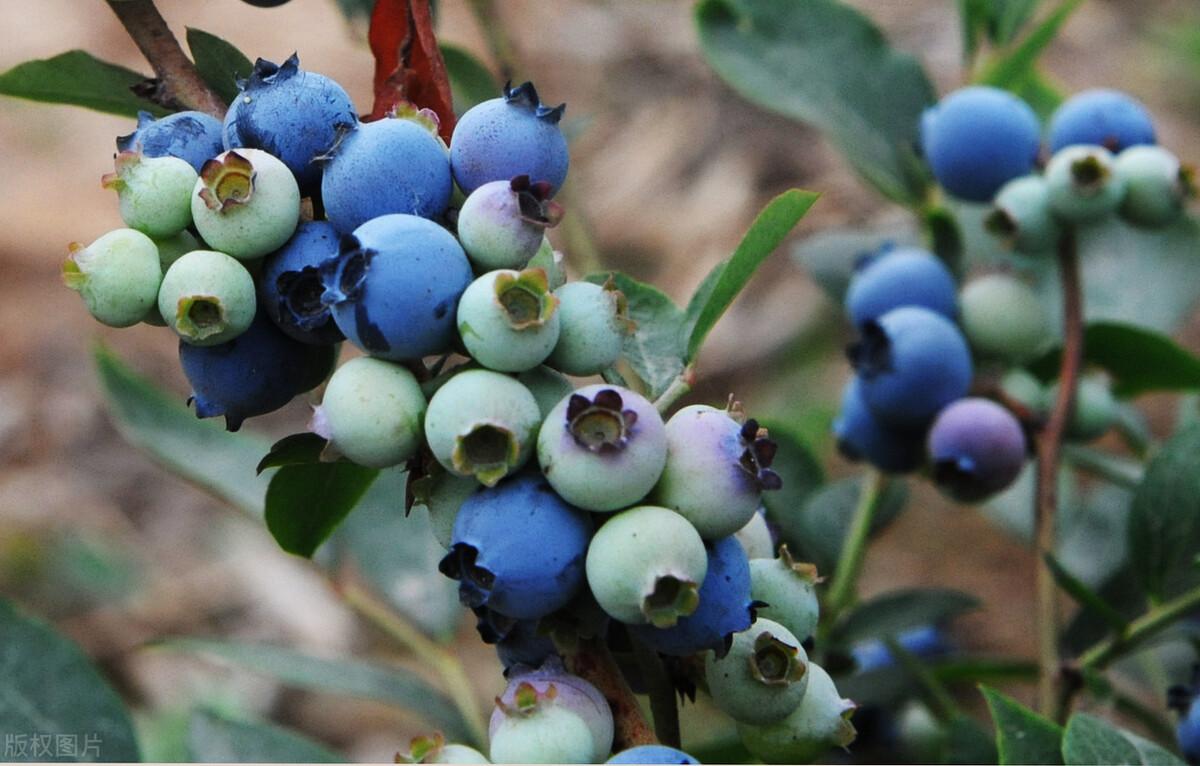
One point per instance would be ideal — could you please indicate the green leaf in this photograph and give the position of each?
(1014, 67)
(767, 232)
(1023, 736)
(200, 451)
(214, 738)
(471, 82)
(296, 449)
(552, 262)
(817, 529)
(974, 18)
(390, 685)
(1139, 359)
(892, 613)
(1092, 741)
(1008, 17)
(1164, 523)
(969, 742)
(653, 348)
(1083, 595)
(946, 239)
(800, 470)
(828, 66)
(220, 64)
(1036, 90)
(78, 78)
(49, 687)
(305, 503)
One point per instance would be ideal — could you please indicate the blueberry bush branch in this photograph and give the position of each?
(593, 661)
(843, 589)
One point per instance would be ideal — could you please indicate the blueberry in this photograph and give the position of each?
(507, 137)
(652, 754)
(194, 137)
(1094, 411)
(118, 276)
(820, 722)
(207, 298)
(293, 114)
(371, 412)
(925, 642)
(521, 643)
(911, 363)
(593, 323)
(1003, 319)
(482, 424)
(756, 538)
(550, 687)
(173, 248)
(290, 284)
(508, 320)
(245, 203)
(1185, 699)
(395, 285)
(1082, 184)
(1101, 117)
(1156, 185)
(977, 139)
(1020, 216)
(394, 165)
(502, 223)
(603, 447)
(435, 749)
(547, 386)
(764, 676)
(716, 470)
(257, 372)
(787, 593)
(154, 193)
(645, 565)
(862, 436)
(977, 449)
(725, 607)
(905, 276)
(518, 549)
(1026, 390)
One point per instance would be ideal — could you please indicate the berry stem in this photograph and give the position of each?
(179, 83)
(1139, 631)
(593, 662)
(662, 693)
(1049, 449)
(680, 387)
(844, 588)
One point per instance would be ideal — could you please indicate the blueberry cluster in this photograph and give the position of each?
(265, 240)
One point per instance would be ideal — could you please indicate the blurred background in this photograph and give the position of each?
(669, 167)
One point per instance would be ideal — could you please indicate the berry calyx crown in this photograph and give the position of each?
(670, 598)
(758, 454)
(526, 96)
(775, 662)
(228, 182)
(525, 298)
(600, 424)
(533, 200)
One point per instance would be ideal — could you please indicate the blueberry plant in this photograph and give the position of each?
(494, 428)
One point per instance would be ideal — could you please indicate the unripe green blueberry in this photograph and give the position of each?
(118, 276)
(548, 386)
(592, 328)
(435, 749)
(788, 588)
(821, 722)
(207, 298)
(1020, 216)
(508, 320)
(502, 223)
(443, 496)
(1082, 185)
(482, 424)
(536, 730)
(1094, 412)
(1003, 318)
(246, 203)
(173, 248)
(922, 737)
(1156, 185)
(1026, 390)
(371, 412)
(763, 677)
(756, 538)
(645, 565)
(154, 193)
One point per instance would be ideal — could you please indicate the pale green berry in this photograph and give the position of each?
(821, 722)
(246, 203)
(593, 323)
(763, 677)
(756, 538)
(502, 223)
(1021, 218)
(789, 590)
(442, 494)
(536, 730)
(118, 276)
(1082, 185)
(172, 248)
(508, 320)
(1156, 185)
(207, 298)
(1094, 410)
(1003, 318)
(371, 412)
(154, 193)
(1026, 390)
(549, 387)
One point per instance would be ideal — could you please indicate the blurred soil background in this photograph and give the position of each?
(669, 167)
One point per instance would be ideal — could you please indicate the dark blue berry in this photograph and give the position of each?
(191, 136)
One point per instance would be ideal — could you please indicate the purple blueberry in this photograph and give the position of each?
(1101, 117)
(977, 449)
(394, 287)
(652, 754)
(518, 549)
(861, 436)
(905, 276)
(507, 137)
(502, 224)
(191, 136)
(290, 284)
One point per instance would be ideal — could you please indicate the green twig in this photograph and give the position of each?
(661, 691)
(1139, 631)
(680, 387)
(1120, 471)
(844, 587)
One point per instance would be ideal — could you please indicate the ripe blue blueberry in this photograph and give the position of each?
(290, 288)
(820, 722)
(371, 412)
(862, 436)
(194, 137)
(518, 642)
(246, 203)
(977, 448)
(435, 749)
(762, 678)
(518, 549)
(118, 276)
(912, 362)
(508, 320)
(394, 287)
(1082, 184)
(645, 565)
(1003, 318)
(1101, 117)
(924, 641)
(393, 165)
(904, 276)
(977, 139)
(716, 470)
(257, 372)
(1020, 216)
(1156, 185)
(502, 223)
(603, 447)
(207, 298)
(652, 754)
(786, 591)
(293, 114)
(552, 683)
(1185, 700)
(507, 137)
(154, 193)
(725, 607)
(593, 323)
(482, 424)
